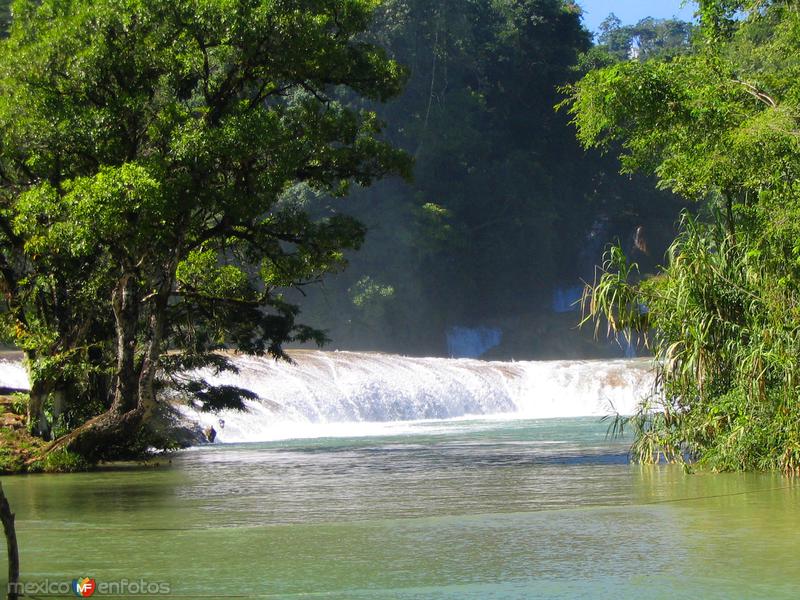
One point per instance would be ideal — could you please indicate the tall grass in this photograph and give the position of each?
(723, 321)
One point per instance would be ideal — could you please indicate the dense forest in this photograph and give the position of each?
(179, 180)
(165, 201)
(718, 125)
(506, 213)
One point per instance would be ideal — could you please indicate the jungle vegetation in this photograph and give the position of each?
(505, 207)
(148, 151)
(720, 125)
(173, 177)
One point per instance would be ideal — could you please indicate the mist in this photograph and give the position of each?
(484, 254)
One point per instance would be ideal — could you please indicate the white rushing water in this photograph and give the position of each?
(13, 374)
(353, 393)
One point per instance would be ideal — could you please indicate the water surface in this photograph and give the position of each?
(486, 508)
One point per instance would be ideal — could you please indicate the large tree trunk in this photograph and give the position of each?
(37, 397)
(7, 518)
(157, 325)
(109, 435)
(37, 421)
(125, 301)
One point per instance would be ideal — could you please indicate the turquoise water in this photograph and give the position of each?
(458, 509)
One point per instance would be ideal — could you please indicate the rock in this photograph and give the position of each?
(11, 420)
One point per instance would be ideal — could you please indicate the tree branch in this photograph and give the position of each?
(7, 518)
(758, 94)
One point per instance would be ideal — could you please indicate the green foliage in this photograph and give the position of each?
(148, 152)
(723, 317)
(209, 398)
(62, 461)
(720, 120)
(201, 271)
(20, 403)
(727, 341)
(503, 199)
(613, 296)
(367, 290)
(648, 38)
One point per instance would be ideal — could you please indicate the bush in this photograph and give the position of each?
(722, 321)
(62, 461)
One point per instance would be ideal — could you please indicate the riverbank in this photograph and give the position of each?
(21, 452)
(18, 449)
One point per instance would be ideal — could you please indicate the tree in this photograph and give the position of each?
(505, 205)
(718, 125)
(12, 549)
(646, 39)
(146, 154)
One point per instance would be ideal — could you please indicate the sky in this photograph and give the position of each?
(631, 11)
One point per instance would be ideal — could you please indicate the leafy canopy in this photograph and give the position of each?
(720, 125)
(146, 152)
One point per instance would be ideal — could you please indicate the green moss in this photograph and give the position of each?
(62, 461)
(17, 447)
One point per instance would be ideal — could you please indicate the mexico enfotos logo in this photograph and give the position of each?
(87, 587)
(83, 587)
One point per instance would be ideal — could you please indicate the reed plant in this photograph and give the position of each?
(722, 319)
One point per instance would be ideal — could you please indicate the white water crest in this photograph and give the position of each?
(12, 374)
(323, 394)
(359, 394)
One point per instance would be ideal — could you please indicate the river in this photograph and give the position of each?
(348, 496)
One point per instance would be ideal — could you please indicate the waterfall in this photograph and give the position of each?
(346, 393)
(13, 375)
(355, 393)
